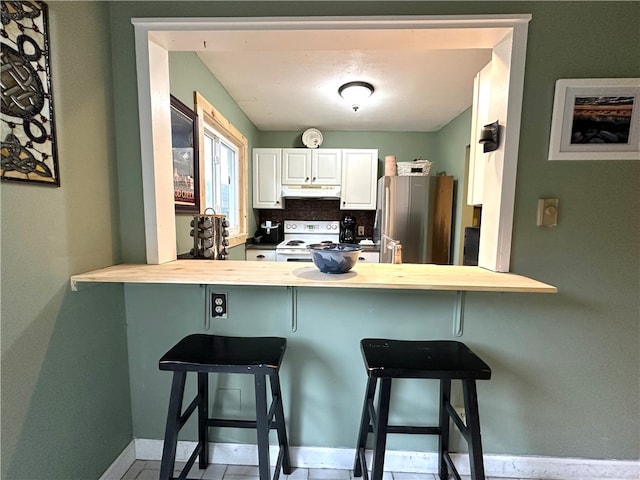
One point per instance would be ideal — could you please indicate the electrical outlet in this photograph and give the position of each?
(547, 212)
(218, 305)
(361, 230)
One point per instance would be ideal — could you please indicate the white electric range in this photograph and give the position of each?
(300, 233)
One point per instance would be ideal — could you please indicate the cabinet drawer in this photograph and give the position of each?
(369, 257)
(260, 255)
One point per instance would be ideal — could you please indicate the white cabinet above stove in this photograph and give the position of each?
(301, 166)
(349, 175)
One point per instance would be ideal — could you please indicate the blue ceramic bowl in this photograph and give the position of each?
(334, 257)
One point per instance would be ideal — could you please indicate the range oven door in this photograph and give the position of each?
(291, 255)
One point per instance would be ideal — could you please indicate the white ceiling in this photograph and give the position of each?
(288, 80)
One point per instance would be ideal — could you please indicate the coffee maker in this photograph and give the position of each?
(348, 229)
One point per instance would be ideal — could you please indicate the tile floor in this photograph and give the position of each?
(150, 469)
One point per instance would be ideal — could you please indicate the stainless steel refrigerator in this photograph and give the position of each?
(414, 212)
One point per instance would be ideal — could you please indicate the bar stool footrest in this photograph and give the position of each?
(226, 422)
(412, 430)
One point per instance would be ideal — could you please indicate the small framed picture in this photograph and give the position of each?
(596, 119)
(184, 150)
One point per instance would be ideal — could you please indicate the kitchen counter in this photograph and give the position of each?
(260, 246)
(364, 275)
(272, 246)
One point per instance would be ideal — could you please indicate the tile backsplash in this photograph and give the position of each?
(316, 209)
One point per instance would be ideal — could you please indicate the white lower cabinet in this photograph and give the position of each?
(359, 179)
(369, 257)
(256, 255)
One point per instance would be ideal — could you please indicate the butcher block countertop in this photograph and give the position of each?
(293, 274)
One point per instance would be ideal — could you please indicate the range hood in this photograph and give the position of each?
(311, 191)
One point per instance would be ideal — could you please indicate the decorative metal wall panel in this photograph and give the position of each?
(28, 127)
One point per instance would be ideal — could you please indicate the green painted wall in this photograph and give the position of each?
(404, 145)
(451, 142)
(65, 391)
(552, 356)
(187, 74)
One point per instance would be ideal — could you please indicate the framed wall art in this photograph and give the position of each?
(28, 152)
(596, 119)
(184, 151)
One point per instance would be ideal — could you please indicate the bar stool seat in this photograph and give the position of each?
(205, 354)
(442, 360)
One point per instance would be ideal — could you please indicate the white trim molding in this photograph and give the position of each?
(497, 466)
(122, 463)
(153, 40)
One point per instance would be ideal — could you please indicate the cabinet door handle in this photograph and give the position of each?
(260, 256)
(306, 179)
(314, 179)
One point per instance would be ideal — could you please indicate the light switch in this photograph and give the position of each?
(547, 212)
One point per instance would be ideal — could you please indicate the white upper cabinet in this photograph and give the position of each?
(354, 170)
(321, 166)
(326, 166)
(267, 178)
(296, 166)
(359, 179)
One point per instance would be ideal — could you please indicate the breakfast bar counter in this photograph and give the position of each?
(295, 274)
(323, 317)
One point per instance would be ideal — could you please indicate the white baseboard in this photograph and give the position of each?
(499, 466)
(122, 463)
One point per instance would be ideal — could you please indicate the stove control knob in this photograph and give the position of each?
(294, 226)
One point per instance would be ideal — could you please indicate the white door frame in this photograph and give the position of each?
(155, 130)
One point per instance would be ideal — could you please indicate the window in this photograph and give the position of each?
(221, 177)
(224, 164)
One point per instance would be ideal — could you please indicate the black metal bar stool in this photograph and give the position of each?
(441, 360)
(205, 354)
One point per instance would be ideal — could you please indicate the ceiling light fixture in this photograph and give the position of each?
(354, 93)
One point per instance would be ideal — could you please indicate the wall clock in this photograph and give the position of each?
(312, 138)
